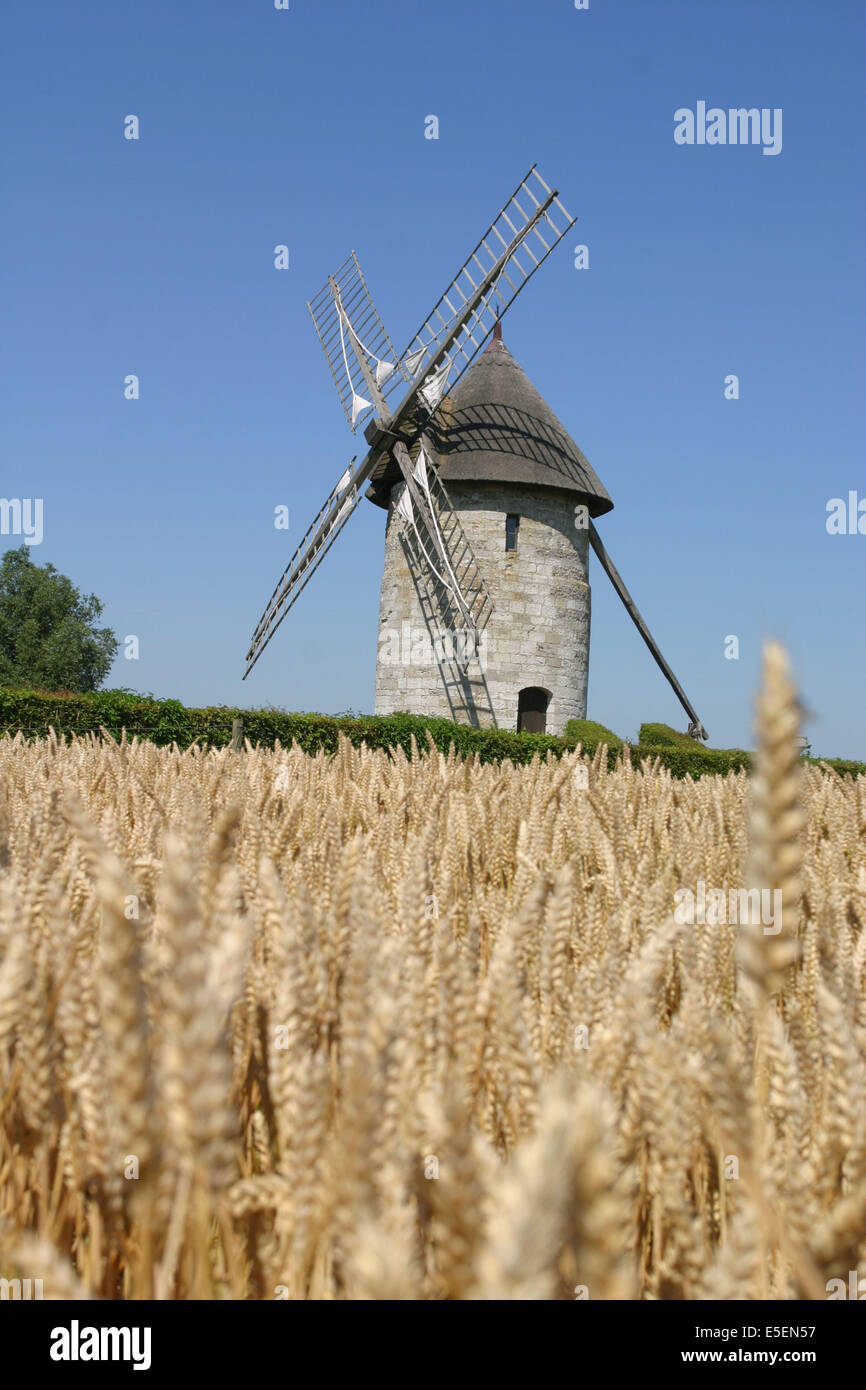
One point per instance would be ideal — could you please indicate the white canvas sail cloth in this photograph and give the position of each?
(433, 389)
(347, 507)
(412, 361)
(407, 511)
(383, 368)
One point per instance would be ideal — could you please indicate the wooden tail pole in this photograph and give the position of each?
(238, 735)
(696, 728)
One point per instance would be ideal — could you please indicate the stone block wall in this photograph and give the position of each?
(538, 634)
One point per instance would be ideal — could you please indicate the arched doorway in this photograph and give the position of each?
(532, 704)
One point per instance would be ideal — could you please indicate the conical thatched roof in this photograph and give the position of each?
(495, 427)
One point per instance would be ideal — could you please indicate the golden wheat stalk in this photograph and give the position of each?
(376, 1026)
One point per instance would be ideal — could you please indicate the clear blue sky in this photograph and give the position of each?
(306, 127)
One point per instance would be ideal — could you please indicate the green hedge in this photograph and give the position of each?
(168, 721)
(591, 734)
(33, 712)
(693, 760)
(663, 736)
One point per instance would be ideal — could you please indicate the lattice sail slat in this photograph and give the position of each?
(353, 337)
(520, 237)
(320, 536)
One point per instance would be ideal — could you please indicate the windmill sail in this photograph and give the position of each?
(354, 341)
(434, 532)
(522, 235)
(320, 536)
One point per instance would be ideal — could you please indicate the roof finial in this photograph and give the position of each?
(497, 330)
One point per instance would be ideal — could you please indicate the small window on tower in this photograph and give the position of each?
(512, 522)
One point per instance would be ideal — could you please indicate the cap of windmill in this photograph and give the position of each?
(496, 427)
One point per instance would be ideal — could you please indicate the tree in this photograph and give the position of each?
(48, 637)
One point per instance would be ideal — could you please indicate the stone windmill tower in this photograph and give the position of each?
(523, 492)
(485, 605)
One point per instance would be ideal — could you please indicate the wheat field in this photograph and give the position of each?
(371, 1027)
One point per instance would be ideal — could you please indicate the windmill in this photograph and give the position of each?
(508, 457)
